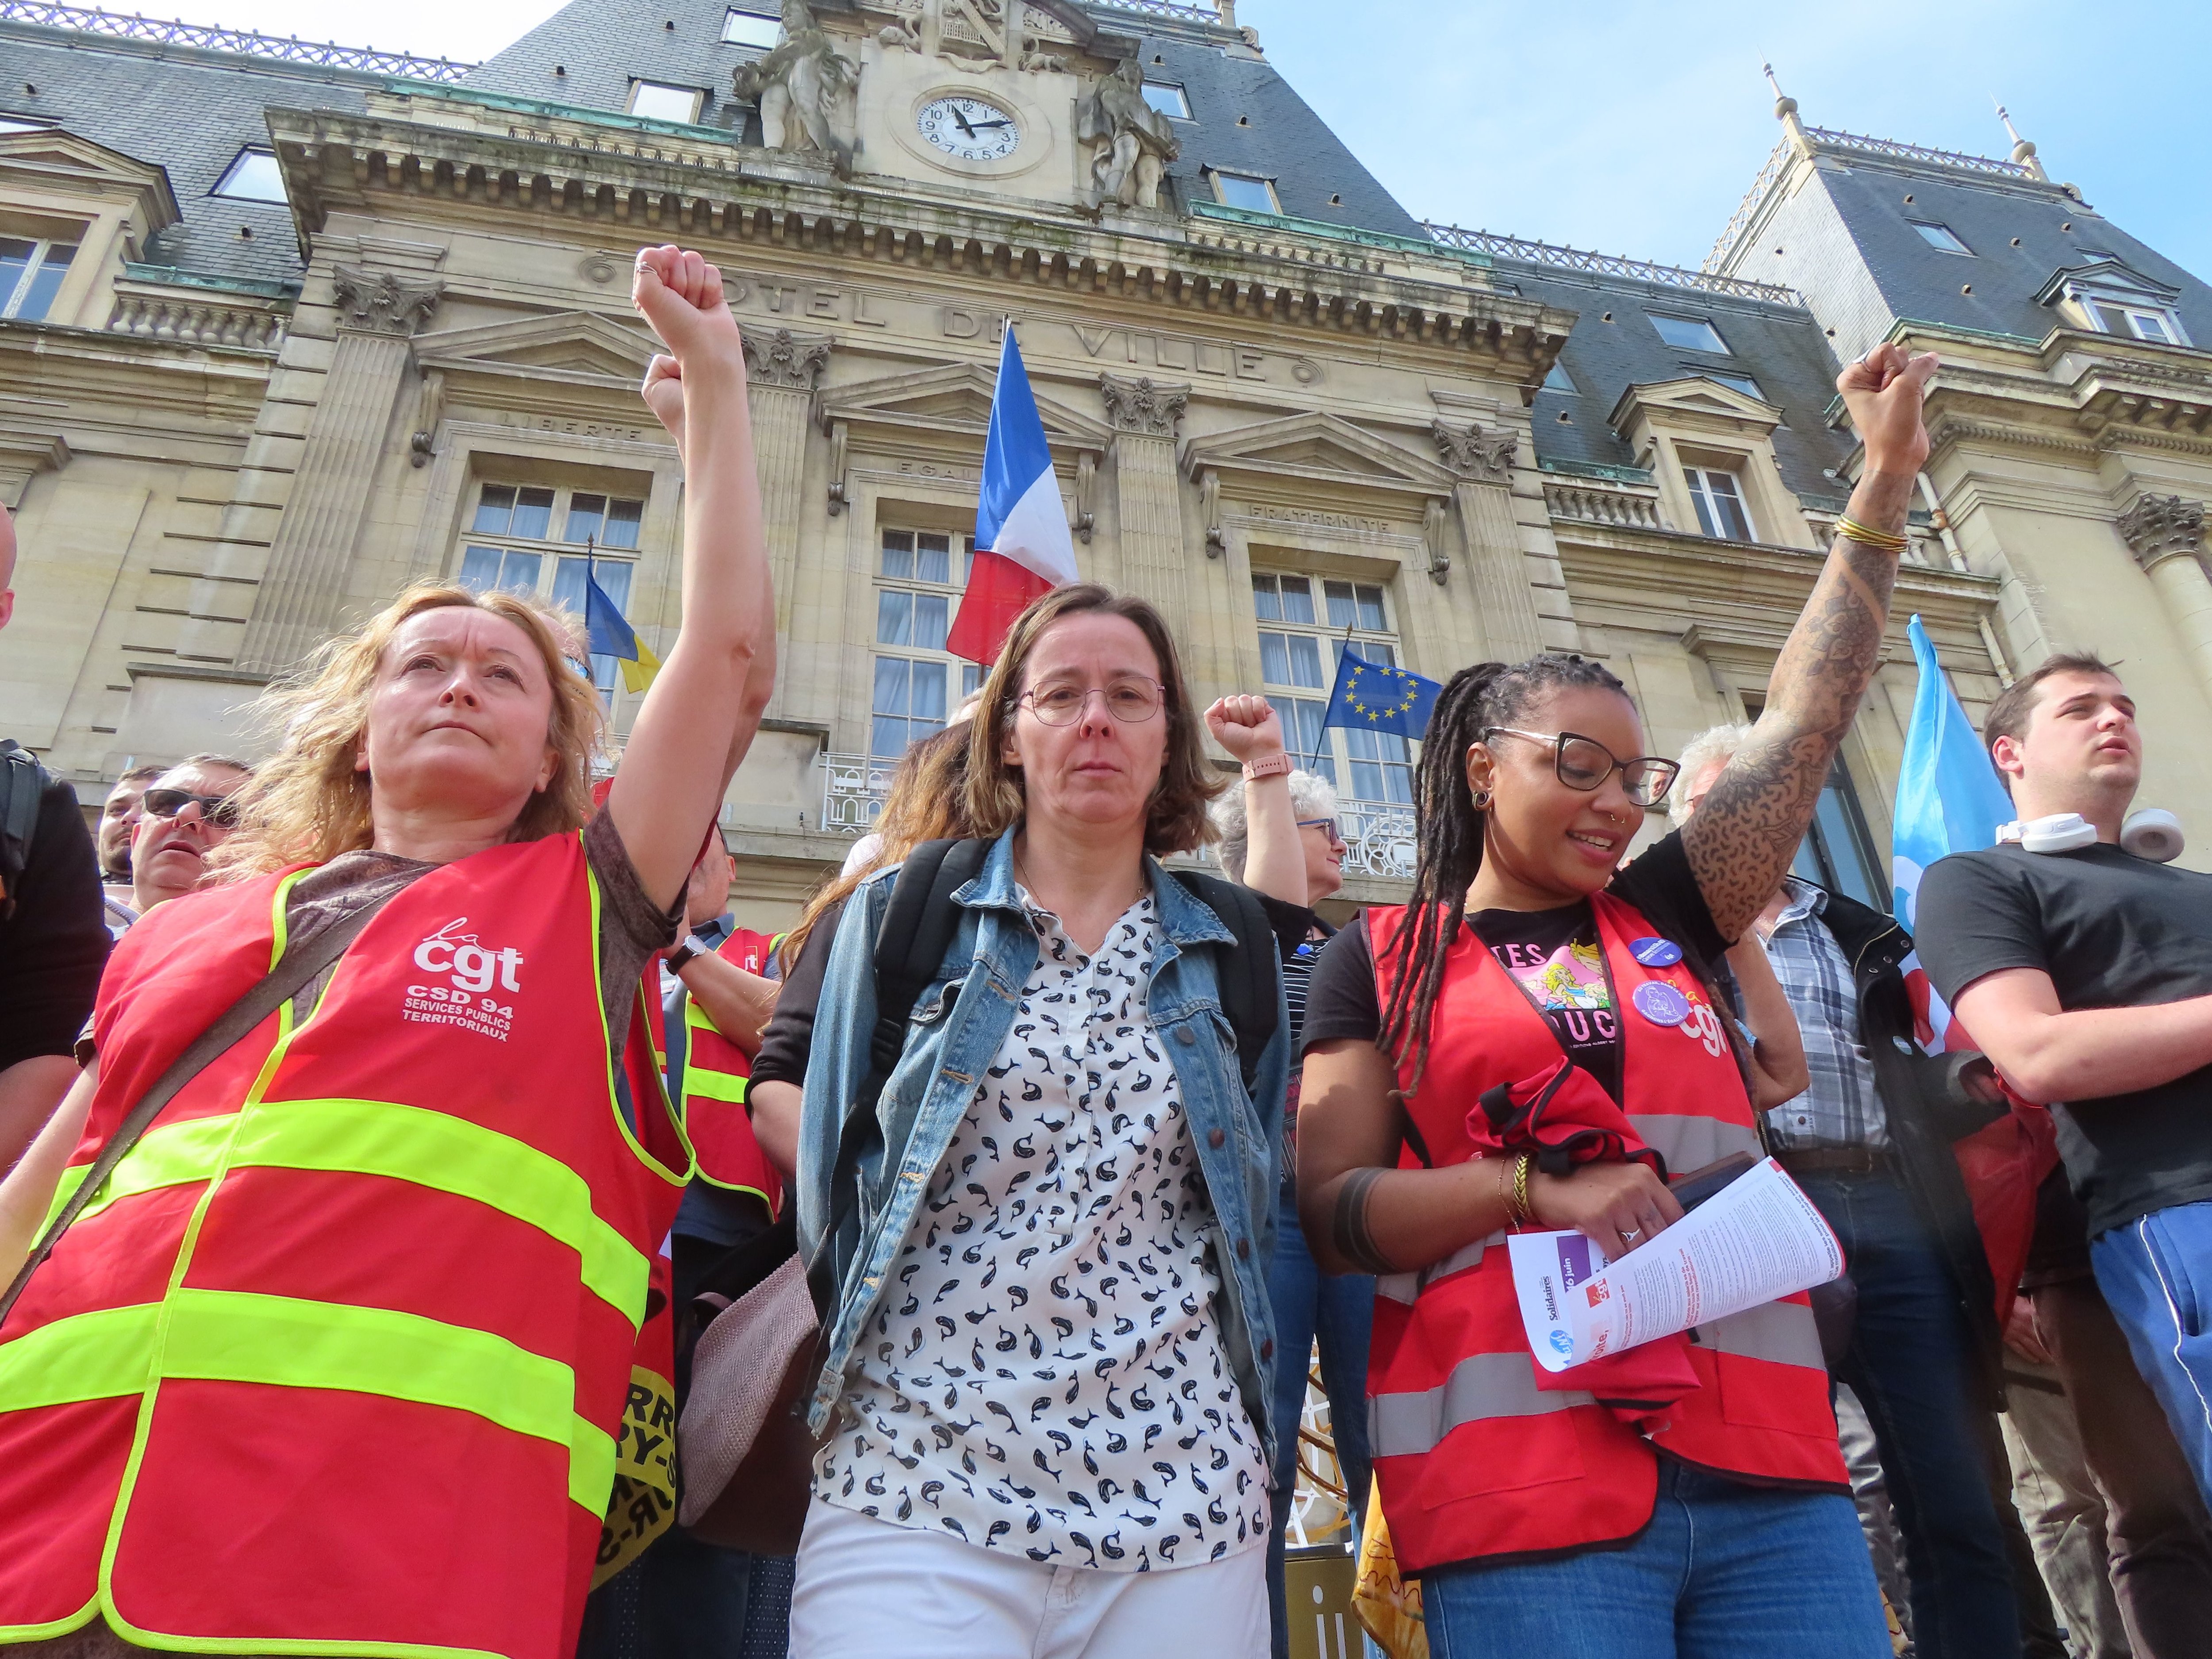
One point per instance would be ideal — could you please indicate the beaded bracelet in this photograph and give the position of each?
(1853, 529)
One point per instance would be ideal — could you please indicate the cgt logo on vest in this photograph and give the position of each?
(475, 975)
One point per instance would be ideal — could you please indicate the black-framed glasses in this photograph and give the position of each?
(1128, 697)
(1327, 826)
(220, 810)
(1584, 763)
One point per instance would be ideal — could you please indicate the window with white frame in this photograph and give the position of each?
(749, 28)
(1742, 383)
(544, 540)
(1244, 190)
(659, 102)
(1717, 495)
(2137, 322)
(1688, 333)
(1168, 99)
(920, 575)
(1941, 238)
(253, 176)
(31, 273)
(1306, 623)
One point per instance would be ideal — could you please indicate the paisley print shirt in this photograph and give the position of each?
(1043, 1375)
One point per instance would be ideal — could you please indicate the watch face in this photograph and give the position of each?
(968, 128)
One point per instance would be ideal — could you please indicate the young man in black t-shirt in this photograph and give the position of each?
(2087, 975)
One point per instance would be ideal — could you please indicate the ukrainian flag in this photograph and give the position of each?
(612, 637)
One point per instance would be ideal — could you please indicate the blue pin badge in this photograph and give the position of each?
(1655, 952)
(1660, 1003)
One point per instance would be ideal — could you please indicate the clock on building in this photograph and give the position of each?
(969, 128)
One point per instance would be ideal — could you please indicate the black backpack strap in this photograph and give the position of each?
(22, 787)
(1248, 974)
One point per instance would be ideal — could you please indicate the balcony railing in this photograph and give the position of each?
(245, 42)
(1606, 264)
(1378, 838)
(853, 791)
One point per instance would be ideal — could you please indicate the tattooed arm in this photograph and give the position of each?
(1747, 830)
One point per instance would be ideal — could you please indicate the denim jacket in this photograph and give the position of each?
(954, 1032)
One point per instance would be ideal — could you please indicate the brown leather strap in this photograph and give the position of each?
(293, 973)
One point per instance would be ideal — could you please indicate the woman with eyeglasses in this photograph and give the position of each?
(1685, 1497)
(1045, 1386)
(184, 815)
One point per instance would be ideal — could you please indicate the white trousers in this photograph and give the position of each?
(868, 1590)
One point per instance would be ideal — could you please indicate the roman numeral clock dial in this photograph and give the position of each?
(969, 128)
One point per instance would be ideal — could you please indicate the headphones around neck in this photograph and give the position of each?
(2153, 834)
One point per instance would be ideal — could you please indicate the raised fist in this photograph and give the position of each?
(680, 295)
(1884, 390)
(1247, 726)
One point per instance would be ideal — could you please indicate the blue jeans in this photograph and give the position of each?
(1912, 1363)
(2157, 1275)
(1723, 1571)
(1309, 1303)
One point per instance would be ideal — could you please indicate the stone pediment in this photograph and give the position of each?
(1693, 400)
(577, 347)
(51, 158)
(1319, 449)
(955, 398)
(2107, 279)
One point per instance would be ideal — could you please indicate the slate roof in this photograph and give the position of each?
(188, 110)
(585, 55)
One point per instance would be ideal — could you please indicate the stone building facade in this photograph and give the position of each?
(362, 320)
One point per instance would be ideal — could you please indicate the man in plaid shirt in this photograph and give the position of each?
(1923, 1355)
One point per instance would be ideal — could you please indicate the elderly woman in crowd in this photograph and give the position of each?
(1046, 1364)
(334, 1357)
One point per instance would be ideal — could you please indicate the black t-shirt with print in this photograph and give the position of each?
(1552, 954)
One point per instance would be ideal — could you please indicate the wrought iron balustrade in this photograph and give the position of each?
(210, 37)
(1378, 838)
(1606, 264)
(853, 791)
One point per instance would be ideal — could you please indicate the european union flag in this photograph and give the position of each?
(611, 636)
(1371, 696)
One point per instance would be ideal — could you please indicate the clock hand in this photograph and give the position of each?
(962, 119)
(979, 126)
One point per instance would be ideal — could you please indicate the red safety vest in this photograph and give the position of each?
(716, 1074)
(1472, 1458)
(341, 1355)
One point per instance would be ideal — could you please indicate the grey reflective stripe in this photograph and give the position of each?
(1483, 1385)
(1399, 1287)
(1782, 1331)
(1691, 1143)
(1404, 1287)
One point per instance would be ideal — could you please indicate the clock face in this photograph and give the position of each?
(968, 128)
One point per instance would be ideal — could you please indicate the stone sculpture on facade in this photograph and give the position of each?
(781, 358)
(2159, 526)
(1471, 452)
(807, 90)
(381, 302)
(1133, 142)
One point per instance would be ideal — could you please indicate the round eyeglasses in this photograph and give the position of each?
(1584, 763)
(1327, 826)
(1131, 697)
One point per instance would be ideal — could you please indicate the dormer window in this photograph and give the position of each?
(2138, 322)
(1559, 380)
(1242, 190)
(749, 28)
(1168, 99)
(30, 273)
(1742, 383)
(657, 102)
(1688, 333)
(2112, 298)
(1718, 497)
(1941, 238)
(253, 176)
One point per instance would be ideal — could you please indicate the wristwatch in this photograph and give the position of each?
(689, 947)
(1273, 766)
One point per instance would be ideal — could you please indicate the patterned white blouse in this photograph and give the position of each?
(1044, 1374)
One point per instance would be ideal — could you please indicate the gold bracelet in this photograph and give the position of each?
(1523, 1216)
(1853, 529)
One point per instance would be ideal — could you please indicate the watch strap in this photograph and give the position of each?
(1274, 766)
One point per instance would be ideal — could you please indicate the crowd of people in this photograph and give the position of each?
(425, 1191)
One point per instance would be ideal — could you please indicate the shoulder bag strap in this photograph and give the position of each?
(293, 973)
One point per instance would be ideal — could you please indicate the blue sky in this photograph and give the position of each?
(1634, 126)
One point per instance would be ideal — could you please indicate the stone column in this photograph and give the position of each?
(782, 371)
(298, 605)
(2166, 536)
(1144, 417)
(1482, 464)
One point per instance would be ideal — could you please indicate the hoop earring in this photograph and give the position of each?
(1481, 800)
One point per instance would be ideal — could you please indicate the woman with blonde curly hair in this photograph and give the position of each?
(334, 1357)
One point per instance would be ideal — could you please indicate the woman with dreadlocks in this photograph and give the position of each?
(1686, 1497)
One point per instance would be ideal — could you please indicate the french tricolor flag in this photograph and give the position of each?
(1022, 548)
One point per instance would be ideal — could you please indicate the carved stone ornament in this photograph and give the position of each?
(784, 359)
(2159, 526)
(1142, 407)
(1433, 542)
(808, 92)
(1131, 141)
(380, 302)
(1474, 453)
(977, 34)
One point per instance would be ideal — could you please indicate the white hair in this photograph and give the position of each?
(1311, 797)
(1715, 746)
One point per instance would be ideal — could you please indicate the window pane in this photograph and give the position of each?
(1298, 599)
(15, 256)
(518, 571)
(1305, 661)
(898, 554)
(254, 176)
(2148, 325)
(622, 520)
(1266, 602)
(887, 737)
(891, 679)
(1706, 524)
(1940, 236)
(745, 28)
(39, 297)
(613, 576)
(1371, 609)
(1275, 659)
(534, 514)
(1337, 598)
(1687, 333)
(928, 692)
(1559, 380)
(480, 569)
(1742, 383)
(493, 508)
(933, 560)
(929, 620)
(586, 516)
(1377, 652)
(1851, 873)
(894, 619)
(1168, 99)
(569, 587)
(661, 103)
(1239, 190)
(971, 679)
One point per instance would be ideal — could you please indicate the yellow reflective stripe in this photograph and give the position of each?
(406, 1143)
(695, 1016)
(233, 1336)
(71, 1180)
(714, 1084)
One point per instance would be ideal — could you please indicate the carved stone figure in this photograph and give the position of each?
(1134, 142)
(1143, 407)
(808, 92)
(1471, 452)
(2159, 526)
(380, 302)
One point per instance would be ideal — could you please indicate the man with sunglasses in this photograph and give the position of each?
(184, 816)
